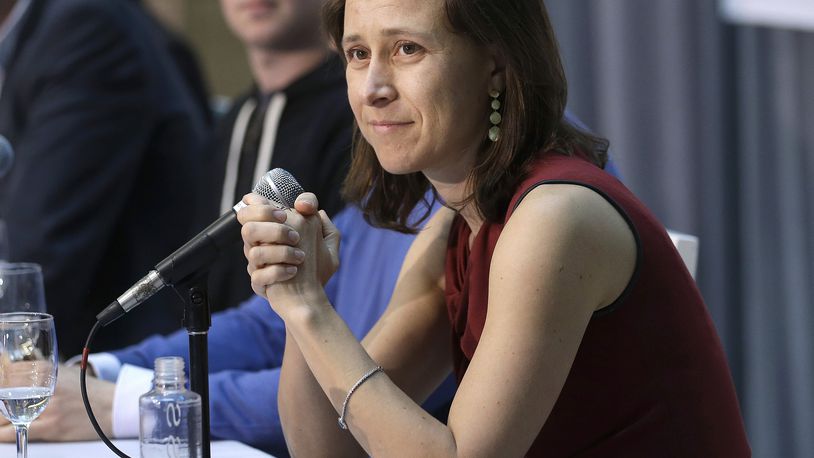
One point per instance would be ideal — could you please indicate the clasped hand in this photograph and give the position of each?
(291, 253)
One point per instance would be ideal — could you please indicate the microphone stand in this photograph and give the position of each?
(197, 320)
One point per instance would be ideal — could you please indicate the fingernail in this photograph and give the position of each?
(293, 236)
(299, 254)
(291, 270)
(279, 215)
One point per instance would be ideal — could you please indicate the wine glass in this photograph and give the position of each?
(28, 369)
(21, 288)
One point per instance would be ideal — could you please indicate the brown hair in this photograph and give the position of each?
(533, 117)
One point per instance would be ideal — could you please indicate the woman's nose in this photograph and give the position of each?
(379, 88)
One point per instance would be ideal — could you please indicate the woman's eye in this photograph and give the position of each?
(409, 48)
(356, 54)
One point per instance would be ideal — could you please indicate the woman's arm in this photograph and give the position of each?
(410, 341)
(413, 329)
(564, 253)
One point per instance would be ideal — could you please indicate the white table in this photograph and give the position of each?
(220, 449)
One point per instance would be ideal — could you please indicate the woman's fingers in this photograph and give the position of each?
(307, 204)
(255, 199)
(262, 233)
(285, 245)
(330, 233)
(331, 238)
(270, 239)
(259, 209)
(269, 275)
(270, 264)
(274, 254)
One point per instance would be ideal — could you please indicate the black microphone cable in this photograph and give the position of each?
(83, 369)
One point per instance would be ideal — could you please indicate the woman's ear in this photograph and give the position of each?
(497, 77)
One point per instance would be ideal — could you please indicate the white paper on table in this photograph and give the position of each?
(220, 449)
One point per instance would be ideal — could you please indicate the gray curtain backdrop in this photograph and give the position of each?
(712, 126)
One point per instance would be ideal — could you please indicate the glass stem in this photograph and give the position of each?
(22, 441)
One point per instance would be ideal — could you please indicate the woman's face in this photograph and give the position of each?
(420, 93)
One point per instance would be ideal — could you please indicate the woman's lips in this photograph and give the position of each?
(388, 126)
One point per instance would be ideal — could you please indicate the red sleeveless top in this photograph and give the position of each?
(650, 377)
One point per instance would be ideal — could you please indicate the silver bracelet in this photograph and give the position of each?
(356, 385)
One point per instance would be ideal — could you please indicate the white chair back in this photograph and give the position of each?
(687, 246)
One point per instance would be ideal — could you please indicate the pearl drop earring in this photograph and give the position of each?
(495, 118)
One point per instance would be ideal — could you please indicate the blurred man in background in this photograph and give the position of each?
(296, 116)
(108, 139)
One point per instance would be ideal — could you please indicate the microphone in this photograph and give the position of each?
(6, 156)
(195, 256)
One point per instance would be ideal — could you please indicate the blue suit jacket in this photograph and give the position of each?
(108, 141)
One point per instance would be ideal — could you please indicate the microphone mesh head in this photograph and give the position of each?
(280, 187)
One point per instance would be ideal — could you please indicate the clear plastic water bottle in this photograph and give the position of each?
(169, 414)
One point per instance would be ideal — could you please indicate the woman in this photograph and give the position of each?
(595, 340)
